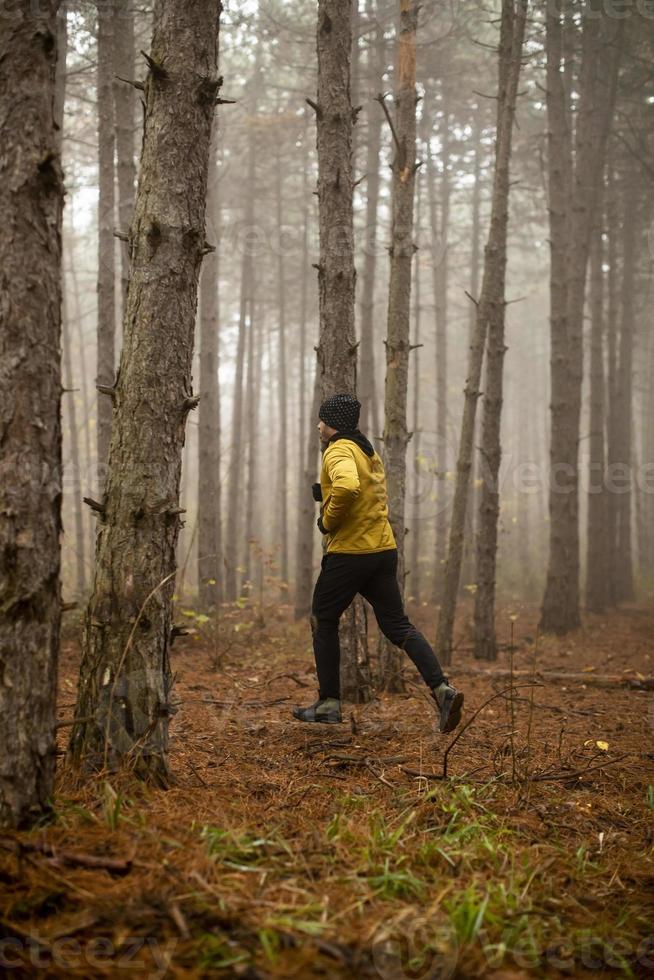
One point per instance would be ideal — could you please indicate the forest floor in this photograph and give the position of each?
(290, 850)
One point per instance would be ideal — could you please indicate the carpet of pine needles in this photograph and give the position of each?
(290, 850)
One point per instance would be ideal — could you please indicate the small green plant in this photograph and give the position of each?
(382, 841)
(468, 914)
(271, 941)
(649, 797)
(243, 852)
(396, 883)
(310, 927)
(112, 803)
(216, 953)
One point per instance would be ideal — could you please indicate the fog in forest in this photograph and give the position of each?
(263, 224)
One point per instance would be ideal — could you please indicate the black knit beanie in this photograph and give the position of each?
(341, 412)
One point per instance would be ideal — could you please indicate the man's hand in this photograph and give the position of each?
(316, 490)
(321, 526)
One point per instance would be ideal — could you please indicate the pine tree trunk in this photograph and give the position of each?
(209, 491)
(574, 189)
(414, 580)
(512, 35)
(307, 513)
(106, 290)
(612, 338)
(439, 268)
(336, 351)
(398, 343)
(73, 437)
(233, 515)
(308, 439)
(31, 202)
(597, 571)
(490, 309)
(623, 571)
(282, 415)
(123, 703)
(370, 422)
(526, 449)
(124, 113)
(67, 340)
(469, 543)
(647, 459)
(253, 388)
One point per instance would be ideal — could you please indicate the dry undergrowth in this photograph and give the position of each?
(286, 851)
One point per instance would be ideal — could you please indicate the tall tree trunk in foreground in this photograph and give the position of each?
(490, 308)
(512, 34)
(31, 201)
(337, 351)
(209, 493)
(574, 187)
(123, 703)
(597, 571)
(106, 320)
(124, 105)
(398, 344)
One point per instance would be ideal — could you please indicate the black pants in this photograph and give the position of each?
(375, 578)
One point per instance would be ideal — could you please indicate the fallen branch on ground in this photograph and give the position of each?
(113, 865)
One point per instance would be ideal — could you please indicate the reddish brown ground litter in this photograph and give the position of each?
(290, 850)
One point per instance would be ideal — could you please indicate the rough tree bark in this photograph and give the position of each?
(511, 39)
(490, 308)
(123, 702)
(106, 287)
(398, 344)
(209, 490)
(31, 202)
(337, 351)
(574, 181)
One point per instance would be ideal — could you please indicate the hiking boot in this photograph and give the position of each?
(327, 711)
(450, 702)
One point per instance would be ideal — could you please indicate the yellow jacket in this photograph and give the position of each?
(355, 511)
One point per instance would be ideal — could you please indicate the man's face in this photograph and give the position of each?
(326, 431)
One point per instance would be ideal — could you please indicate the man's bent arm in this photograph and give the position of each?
(342, 470)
